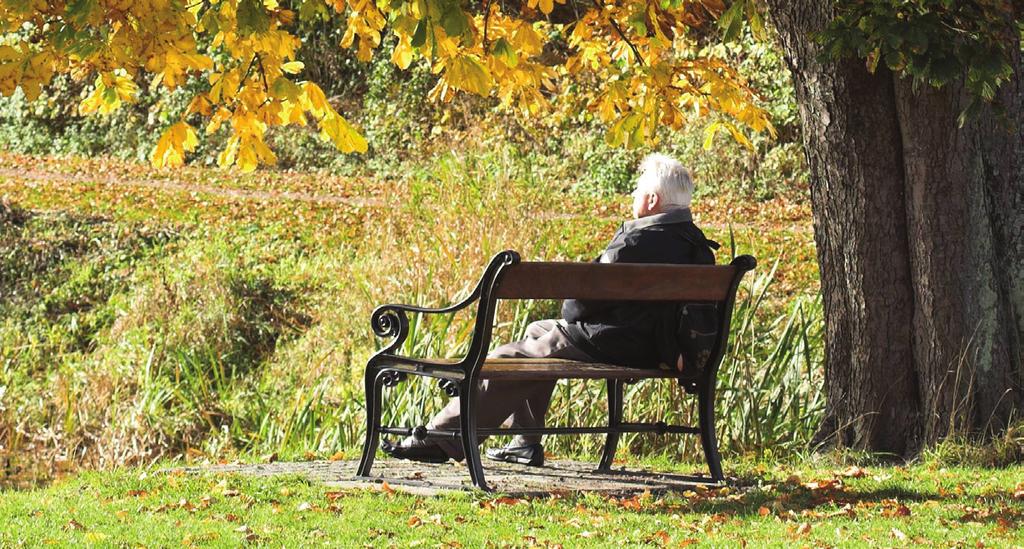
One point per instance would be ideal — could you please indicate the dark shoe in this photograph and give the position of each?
(419, 451)
(532, 454)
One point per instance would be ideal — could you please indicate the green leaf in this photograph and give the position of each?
(311, 10)
(917, 40)
(252, 18)
(638, 21)
(282, 88)
(504, 51)
(731, 21)
(756, 22)
(972, 110)
(78, 11)
(453, 20)
(210, 23)
(420, 36)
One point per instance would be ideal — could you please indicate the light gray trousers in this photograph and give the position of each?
(511, 403)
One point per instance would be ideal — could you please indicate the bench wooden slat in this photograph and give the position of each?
(633, 281)
(536, 369)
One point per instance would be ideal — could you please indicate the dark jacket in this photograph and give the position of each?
(631, 333)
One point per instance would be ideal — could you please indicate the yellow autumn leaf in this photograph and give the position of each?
(402, 55)
(709, 134)
(345, 138)
(466, 73)
(314, 100)
(170, 149)
(293, 67)
(109, 92)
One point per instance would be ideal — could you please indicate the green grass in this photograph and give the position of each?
(818, 504)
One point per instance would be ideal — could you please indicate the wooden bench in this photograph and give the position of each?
(506, 277)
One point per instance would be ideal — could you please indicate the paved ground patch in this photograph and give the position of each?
(425, 479)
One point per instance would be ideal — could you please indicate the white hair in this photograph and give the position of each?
(666, 177)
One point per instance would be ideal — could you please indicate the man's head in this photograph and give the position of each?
(662, 184)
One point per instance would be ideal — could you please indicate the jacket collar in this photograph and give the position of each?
(674, 215)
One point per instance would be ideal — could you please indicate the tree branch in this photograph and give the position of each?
(487, 17)
(622, 35)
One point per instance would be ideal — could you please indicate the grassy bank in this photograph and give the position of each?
(198, 313)
(818, 504)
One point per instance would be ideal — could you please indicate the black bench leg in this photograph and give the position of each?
(470, 445)
(611, 441)
(706, 410)
(373, 390)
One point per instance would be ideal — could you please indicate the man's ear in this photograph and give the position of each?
(653, 201)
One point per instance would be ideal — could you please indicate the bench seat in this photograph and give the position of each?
(529, 369)
(536, 369)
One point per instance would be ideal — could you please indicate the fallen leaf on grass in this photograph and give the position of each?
(853, 471)
(896, 533)
(845, 510)
(804, 528)
(632, 503)
(763, 511)
(414, 521)
(822, 484)
(332, 496)
(74, 525)
(660, 536)
(893, 508)
(304, 506)
(247, 533)
(386, 488)
(337, 456)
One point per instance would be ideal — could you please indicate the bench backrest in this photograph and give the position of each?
(507, 277)
(614, 281)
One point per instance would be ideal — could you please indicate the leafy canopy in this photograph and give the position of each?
(635, 63)
(932, 42)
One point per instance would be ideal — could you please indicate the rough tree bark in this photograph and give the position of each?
(919, 226)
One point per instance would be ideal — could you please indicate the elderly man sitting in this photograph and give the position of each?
(622, 333)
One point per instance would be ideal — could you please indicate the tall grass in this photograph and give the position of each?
(120, 343)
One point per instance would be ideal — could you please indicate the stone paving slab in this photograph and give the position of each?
(427, 479)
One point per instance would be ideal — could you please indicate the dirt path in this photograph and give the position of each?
(422, 479)
(40, 176)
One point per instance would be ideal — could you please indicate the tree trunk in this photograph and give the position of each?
(919, 226)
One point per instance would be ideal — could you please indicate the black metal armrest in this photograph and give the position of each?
(391, 320)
